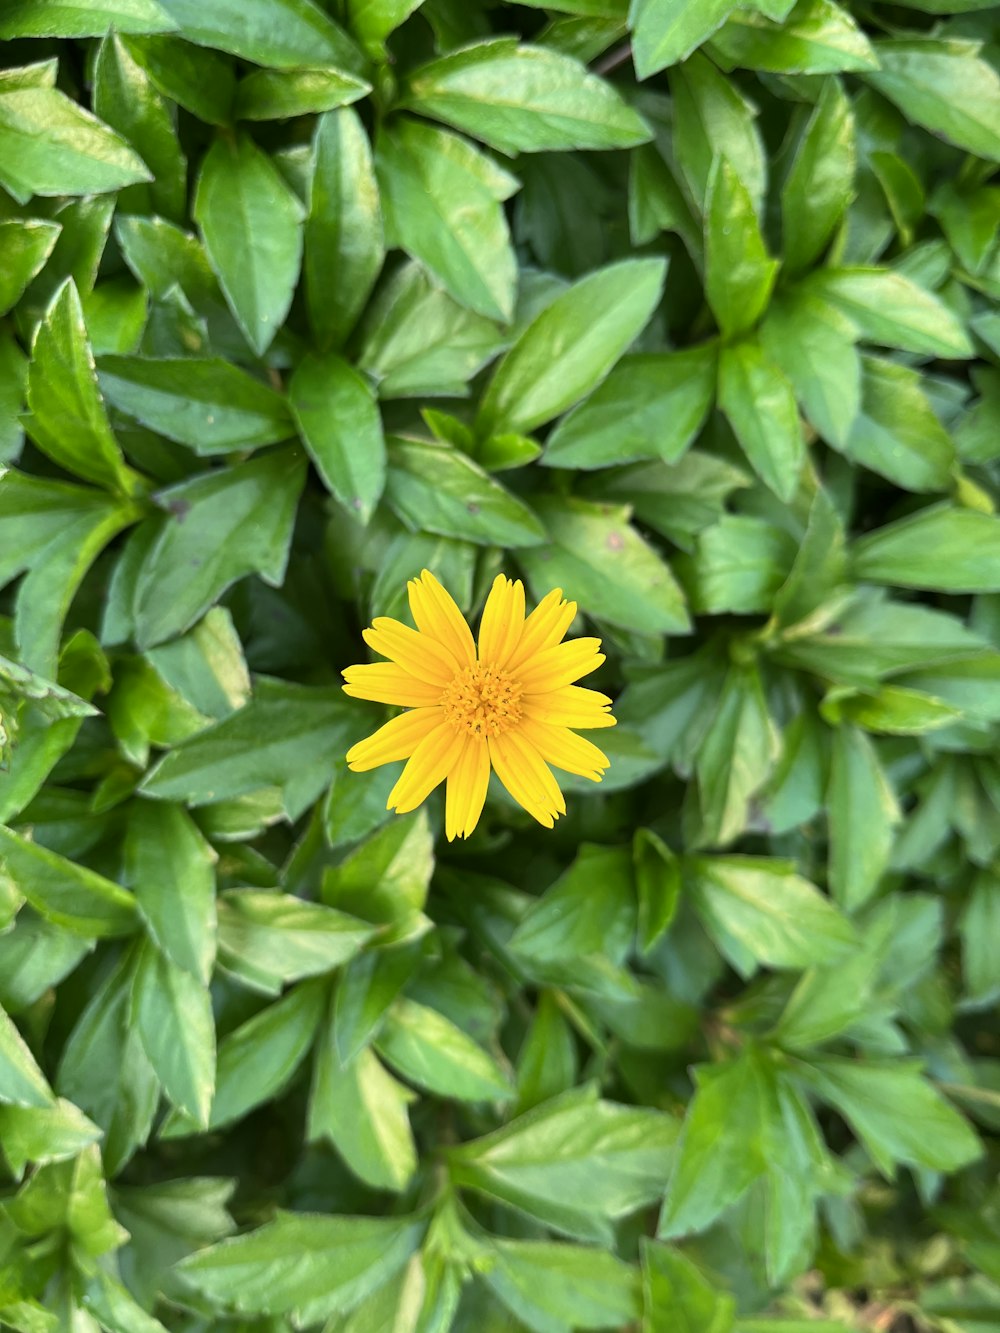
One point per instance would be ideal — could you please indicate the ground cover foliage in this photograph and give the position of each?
(689, 309)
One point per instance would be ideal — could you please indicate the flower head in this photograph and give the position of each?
(507, 703)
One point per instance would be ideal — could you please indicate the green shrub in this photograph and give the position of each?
(688, 309)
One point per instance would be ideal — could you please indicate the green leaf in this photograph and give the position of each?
(22, 1083)
(867, 1093)
(127, 101)
(362, 1110)
(172, 1013)
(891, 309)
(251, 223)
(441, 200)
(25, 245)
(772, 913)
(739, 274)
(527, 99)
(81, 18)
(978, 929)
(417, 341)
(547, 1062)
(555, 1288)
(818, 37)
(273, 94)
(374, 20)
(283, 737)
(51, 146)
(678, 1298)
(303, 1264)
(862, 813)
(65, 893)
(738, 566)
(209, 405)
(574, 1163)
(116, 1308)
(650, 406)
(68, 421)
(759, 402)
(943, 548)
(282, 34)
(224, 525)
(436, 488)
(429, 1050)
(171, 870)
(814, 345)
(257, 1060)
(570, 346)
(944, 87)
(712, 119)
(365, 989)
(341, 428)
(200, 81)
(44, 1134)
(657, 884)
(595, 553)
(273, 938)
(897, 433)
(666, 31)
(820, 182)
(343, 231)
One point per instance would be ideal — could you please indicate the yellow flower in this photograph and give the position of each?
(510, 705)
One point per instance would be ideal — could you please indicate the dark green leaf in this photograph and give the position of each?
(172, 1013)
(340, 425)
(759, 401)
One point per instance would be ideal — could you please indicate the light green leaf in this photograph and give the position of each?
(429, 1050)
(282, 34)
(68, 421)
(51, 146)
(283, 737)
(814, 344)
(712, 119)
(818, 37)
(574, 1163)
(931, 1134)
(171, 870)
(759, 402)
(666, 31)
(944, 87)
(778, 917)
(303, 1264)
(891, 309)
(343, 231)
(251, 223)
(441, 203)
(571, 345)
(22, 1083)
(25, 245)
(361, 1109)
(437, 488)
(520, 98)
(553, 1288)
(897, 433)
(943, 548)
(596, 554)
(650, 406)
(341, 428)
(172, 1013)
(277, 94)
(820, 183)
(81, 18)
(678, 1297)
(739, 274)
(862, 812)
(65, 893)
(208, 404)
(272, 938)
(223, 525)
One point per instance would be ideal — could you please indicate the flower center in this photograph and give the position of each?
(482, 701)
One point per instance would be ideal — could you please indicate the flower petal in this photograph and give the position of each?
(396, 740)
(466, 793)
(544, 628)
(417, 653)
(560, 665)
(438, 617)
(564, 749)
(502, 622)
(526, 776)
(570, 706)
(386, 683)
(428, 765)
